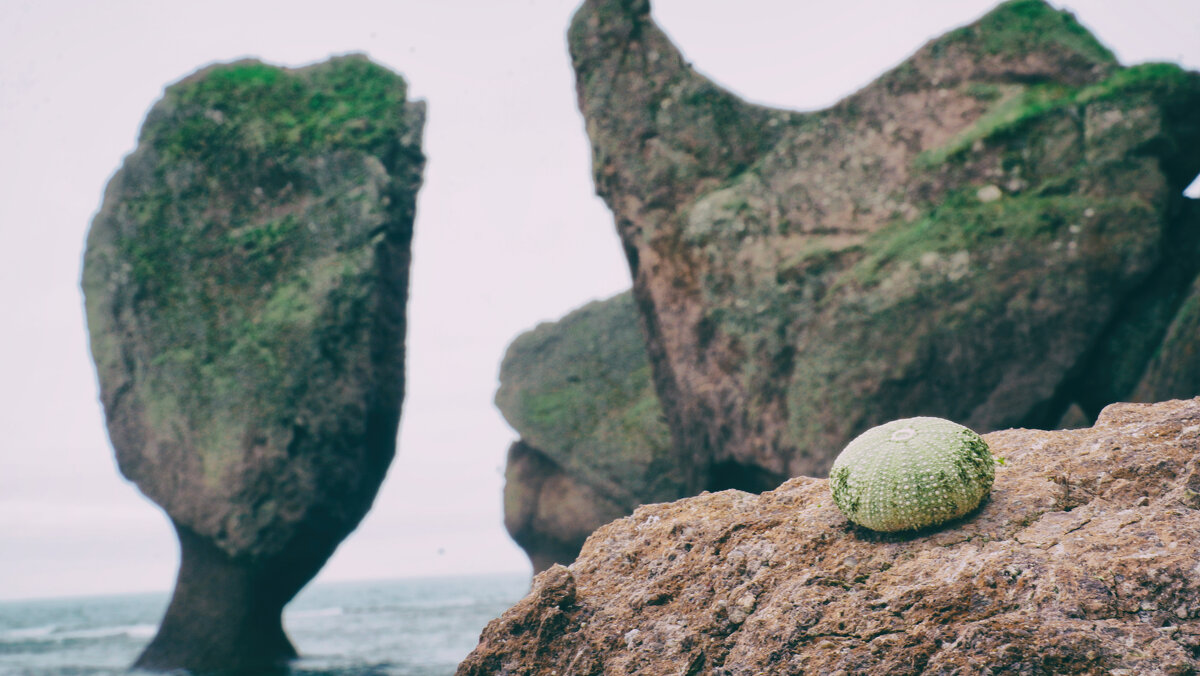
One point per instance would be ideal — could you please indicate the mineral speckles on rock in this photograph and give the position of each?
(1065, 569)
(911, 474)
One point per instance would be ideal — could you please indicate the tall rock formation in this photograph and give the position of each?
(246, 280)
(993, 232)
(1083, 561)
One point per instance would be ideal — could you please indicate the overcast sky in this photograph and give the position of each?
(508, 230)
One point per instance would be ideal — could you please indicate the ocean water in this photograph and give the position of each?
(412, 627)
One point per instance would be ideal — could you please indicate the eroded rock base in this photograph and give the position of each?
(224, 612)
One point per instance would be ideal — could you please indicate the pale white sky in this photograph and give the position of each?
(508, 231)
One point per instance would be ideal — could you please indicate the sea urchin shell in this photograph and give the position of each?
(910, 474)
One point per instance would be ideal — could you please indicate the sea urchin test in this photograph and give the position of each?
(910, 474)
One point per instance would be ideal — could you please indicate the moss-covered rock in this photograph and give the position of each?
(246, 280)
(579, 392)
(993, 232)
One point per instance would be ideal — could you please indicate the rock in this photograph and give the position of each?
(989, 193)
(245, 281)
(1083, 560)
(1174, 371)
(993, 232)
(547, 511)
(594, 443)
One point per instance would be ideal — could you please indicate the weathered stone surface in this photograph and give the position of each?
(805, 276)
(246, 280)
(993, 232)
(1083, 560)
(594, 443)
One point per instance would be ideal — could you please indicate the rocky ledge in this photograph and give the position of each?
(1083, 560)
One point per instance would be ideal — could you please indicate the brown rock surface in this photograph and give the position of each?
(963, 238)
(1085, 560)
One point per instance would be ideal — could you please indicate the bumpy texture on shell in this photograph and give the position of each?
(910, 474)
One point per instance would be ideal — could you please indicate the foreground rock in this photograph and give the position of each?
(246, 281)
(1084, 560)
(993, 232)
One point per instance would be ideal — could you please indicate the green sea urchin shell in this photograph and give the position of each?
(910, 474)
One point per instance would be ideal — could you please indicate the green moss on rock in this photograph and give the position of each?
(246, 281)
(580, 391)
(251, 249)
(1014, 106)
(1026, 26)
(234, 113)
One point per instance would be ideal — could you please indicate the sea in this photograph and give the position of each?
(410, 627)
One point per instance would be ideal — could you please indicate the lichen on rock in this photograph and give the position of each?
(246, 280)
(911, 474)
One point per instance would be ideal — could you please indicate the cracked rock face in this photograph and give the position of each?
(1083, 560)
(246, 280)
(993, 232)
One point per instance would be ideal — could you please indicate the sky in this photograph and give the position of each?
(509, 232)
